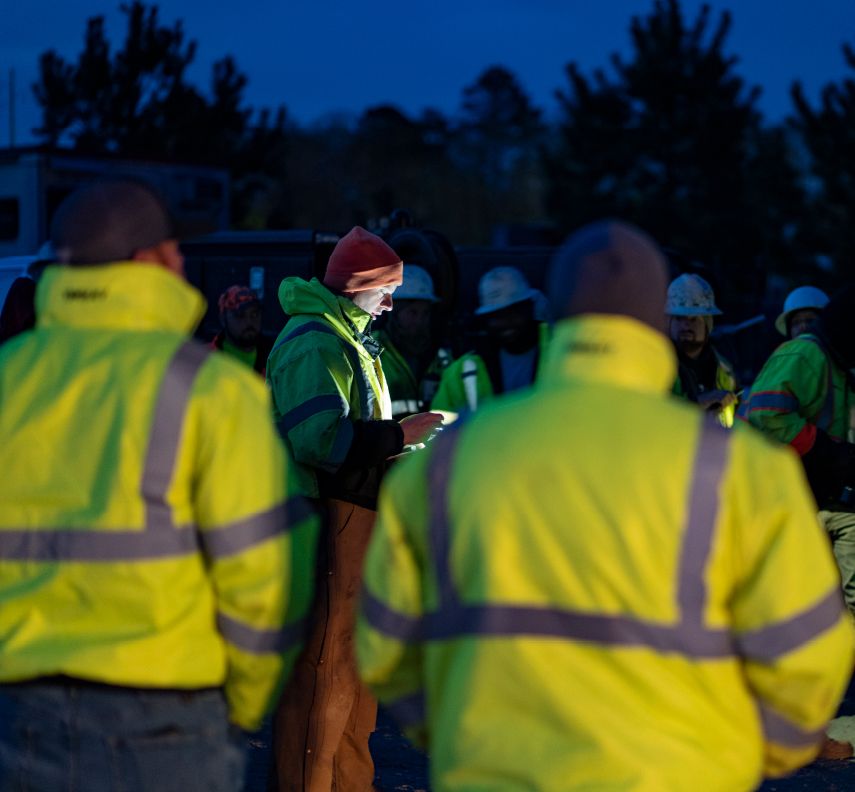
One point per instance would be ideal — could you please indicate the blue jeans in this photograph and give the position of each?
(63, 736)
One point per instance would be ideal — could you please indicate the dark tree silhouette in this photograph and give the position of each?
(829, 136)
(496, 145)
(136, 101)
(672, 140)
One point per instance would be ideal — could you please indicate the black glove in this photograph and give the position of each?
(830, 470)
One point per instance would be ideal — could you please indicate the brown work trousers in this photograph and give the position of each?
(326, 714)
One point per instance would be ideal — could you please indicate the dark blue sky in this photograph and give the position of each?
(323, 56)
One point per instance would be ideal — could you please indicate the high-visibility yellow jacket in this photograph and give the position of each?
(146, 539)
(592, 585)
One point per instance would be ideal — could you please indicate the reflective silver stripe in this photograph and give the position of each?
(510, 621)
(160, 538)
(388, 621)
(255, 641)
(781, 730)
(407, 711)
(439, 530)
(768, 643)
(689, 636)
(85, 544)
(166, 431)
(701, 516)
(235, 537)
(404, 405)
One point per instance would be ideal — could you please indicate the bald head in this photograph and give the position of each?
(609, 267)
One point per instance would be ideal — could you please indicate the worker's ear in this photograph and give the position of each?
(166, 254)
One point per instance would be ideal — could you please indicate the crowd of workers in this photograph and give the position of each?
(560, 561)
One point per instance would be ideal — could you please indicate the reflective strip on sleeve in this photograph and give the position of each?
(770, 642)
(781, 730)
(237, 536)
(388, 621)
(308, 327)
(160, 538)
(312, 407)
(773, 401)
(258, 641)
(82, 544)
(408, 711)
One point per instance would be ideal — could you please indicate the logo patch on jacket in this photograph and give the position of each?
(85, 294)
(587, 348)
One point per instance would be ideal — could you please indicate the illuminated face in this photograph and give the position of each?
(689, 334)
(374, 301)
(803, 321)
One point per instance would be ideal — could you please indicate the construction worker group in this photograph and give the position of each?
(578, 556)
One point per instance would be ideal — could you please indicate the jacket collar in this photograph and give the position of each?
(123, 296)
(614, 350)
(298, 296)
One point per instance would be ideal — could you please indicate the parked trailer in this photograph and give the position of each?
(34, 181)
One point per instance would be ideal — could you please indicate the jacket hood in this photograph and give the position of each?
(615, 350)
(301, 297)
(122, 296)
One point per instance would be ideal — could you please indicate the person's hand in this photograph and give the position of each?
(417, 427)
(716, 400)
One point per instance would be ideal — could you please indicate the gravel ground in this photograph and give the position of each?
(401, 768)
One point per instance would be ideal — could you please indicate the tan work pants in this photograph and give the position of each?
(326, 714)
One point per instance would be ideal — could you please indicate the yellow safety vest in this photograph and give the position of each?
(593, 586)
(144, 522)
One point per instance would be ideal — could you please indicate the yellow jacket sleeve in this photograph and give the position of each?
(388, 650)
(259, 540)
(791, 629)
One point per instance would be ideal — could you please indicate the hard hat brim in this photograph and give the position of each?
(531, 294)
(690, 311)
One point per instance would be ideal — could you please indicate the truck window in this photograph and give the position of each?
(10, 211)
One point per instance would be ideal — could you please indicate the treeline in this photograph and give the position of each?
(668, 137)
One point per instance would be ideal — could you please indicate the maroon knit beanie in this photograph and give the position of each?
(362, 261)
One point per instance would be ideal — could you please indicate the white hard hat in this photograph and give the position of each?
(501, 287)
(799, 300)
(417, 285)
(690, 295)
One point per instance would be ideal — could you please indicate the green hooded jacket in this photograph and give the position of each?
(800, 387)
(325, 384)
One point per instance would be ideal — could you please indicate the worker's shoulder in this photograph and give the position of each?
(807, 348)
(226, 378)
(306, 334)
(750, 445)
(464, 361)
